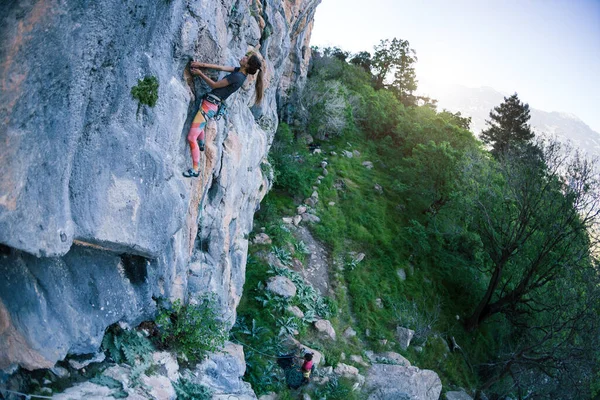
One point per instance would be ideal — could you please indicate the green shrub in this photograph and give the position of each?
(192, 330)
(146, 91)
(128, 346)
(187, 390)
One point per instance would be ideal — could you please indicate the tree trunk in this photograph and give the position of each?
(482, 310)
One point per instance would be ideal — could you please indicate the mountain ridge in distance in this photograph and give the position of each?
(478, 102)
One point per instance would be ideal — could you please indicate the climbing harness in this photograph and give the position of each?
(222, 107)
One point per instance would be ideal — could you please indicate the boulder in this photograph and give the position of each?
(458, 395)
(401, 274)
(323, 164)
(82, 362)
(378, 188)
(296, 311)
(324, 326)
(358, 360)
(347, 153)
(301, 210)
(311, 218)
(311, 201)
(395, 382)
(282, 286)
(356, 153)
(296, 219)
(404, 336)
(346, 371)
(349, 332)
(388, 357)
(367, 164)
(222, 372)
(262, 238)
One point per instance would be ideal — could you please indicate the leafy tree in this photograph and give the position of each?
(396, 57)
(362, 60)
(533, 224)
(553, 343)
(508, 126)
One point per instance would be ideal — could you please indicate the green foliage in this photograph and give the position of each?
(338, 389)
(187, 390)
(146, 91)
(289, 159)
(110, 383)
(192, 329)
(129, 346)
(508, 126)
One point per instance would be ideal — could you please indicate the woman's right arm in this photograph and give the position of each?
(196, 64)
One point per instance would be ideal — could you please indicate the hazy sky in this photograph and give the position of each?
(548, 51)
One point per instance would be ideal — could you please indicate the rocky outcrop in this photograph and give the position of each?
(396, 382)
(96, 220)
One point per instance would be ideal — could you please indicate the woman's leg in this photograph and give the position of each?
(196, 131)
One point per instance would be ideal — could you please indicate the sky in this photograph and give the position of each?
(548, 51)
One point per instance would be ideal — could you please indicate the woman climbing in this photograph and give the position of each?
(221, 90)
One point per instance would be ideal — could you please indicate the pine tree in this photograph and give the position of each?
(508, 126)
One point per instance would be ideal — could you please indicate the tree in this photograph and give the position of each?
(396, 57)
(363, 60)
(535, 219)
(553, 345)
(508, 126)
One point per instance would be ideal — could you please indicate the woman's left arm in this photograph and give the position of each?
(213, 85)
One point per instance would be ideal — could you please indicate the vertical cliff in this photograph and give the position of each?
(96, 221)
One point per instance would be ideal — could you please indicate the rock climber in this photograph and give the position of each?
(307, 367)
(250, 64)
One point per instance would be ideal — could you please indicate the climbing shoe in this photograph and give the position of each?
(201, 145)
(191, 173)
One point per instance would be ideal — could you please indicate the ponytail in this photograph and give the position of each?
(254, 66)
(259, 87)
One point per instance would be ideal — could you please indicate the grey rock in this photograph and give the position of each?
(404, 336)
(324, 326)
(390, 357)
(223, 371)
(269, 396)
(60, 372)
(311, 218)
(82, 363)
(394, 382)
(458, 395)
(301, 209)
(331, 203)
(296, 219)
(103, 176)
(378, 188)
(349, 332)
(358, 360)
(347, 153)
(401, 274)
(323, 164)
(262, 238)
(282, 286)
(315, 195)
(296, 311)
(346, 371)
(367, 164)
(311, 201)
(356, 153)
(379, 303)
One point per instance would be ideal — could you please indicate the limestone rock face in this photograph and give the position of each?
(95, 217)
(395, 382)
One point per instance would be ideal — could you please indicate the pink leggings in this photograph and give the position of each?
(197, 129)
